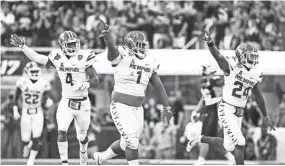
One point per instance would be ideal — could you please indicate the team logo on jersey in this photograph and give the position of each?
(244, 80)
(137, 67)
(68, 69)
(27, 89)
(57, 57)
(80, 57)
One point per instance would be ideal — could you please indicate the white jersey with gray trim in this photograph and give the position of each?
(132, 74)
(239, 83)
(72, 71)
(32, 93)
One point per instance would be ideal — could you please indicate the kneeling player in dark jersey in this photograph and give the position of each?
(209, 100)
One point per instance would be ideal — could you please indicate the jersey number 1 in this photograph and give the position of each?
(139, 76)
(239, 89)
(68, 79)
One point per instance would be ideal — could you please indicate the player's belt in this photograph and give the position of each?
(239, 110)
(32, 111)
(135, 101)
(75, 103)
(78, 99)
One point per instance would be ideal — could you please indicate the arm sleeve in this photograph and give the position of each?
(34, 56)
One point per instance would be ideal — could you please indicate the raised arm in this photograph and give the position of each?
(31, 54)
(105, 32)
(261, 104)
(220, 59)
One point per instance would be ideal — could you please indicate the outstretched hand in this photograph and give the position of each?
(167, 114)
(267, 124)
(206, 37)
(17, 41)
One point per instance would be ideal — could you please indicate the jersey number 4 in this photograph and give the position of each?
(237, 90)
(68, 79)
(31, 99)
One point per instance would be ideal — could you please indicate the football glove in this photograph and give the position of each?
(167, 114)
(268, 124)
(81, 86)
(17, 41)
(206, 37)
(104, 28)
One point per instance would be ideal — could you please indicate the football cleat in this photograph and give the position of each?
(195, 139)
(30, 162)
(97, 157)
(83, 158)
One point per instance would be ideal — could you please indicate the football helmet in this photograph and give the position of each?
(33, 70)
(69, 43)
(137, 43)
(247, 55)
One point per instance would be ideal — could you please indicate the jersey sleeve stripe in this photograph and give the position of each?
(90, 57)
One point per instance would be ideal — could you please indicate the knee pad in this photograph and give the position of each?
(132, 141)
(36, 144)
(61, 136)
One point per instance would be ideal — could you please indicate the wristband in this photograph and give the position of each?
(211, 44)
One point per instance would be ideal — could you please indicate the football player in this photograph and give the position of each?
(242, 75)
(134, 69)
(77, 74)
(211, 83)
(33, 91)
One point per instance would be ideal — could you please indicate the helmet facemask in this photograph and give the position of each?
(71, 47)
(140, 49)
(34, 73)
(249, 60)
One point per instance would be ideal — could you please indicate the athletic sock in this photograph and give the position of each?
(63, 151)
(230, 157)
(33, 155)
(108, 154)
(133, 162)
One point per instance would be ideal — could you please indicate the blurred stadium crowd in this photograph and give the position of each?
(167, 24)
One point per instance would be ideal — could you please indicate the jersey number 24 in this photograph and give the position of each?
(238, 89)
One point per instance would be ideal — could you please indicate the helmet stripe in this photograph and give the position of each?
(67, 32)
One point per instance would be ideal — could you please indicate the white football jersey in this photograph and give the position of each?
(32, 93)
(72, 71)
(239, 83)
(131, 74)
